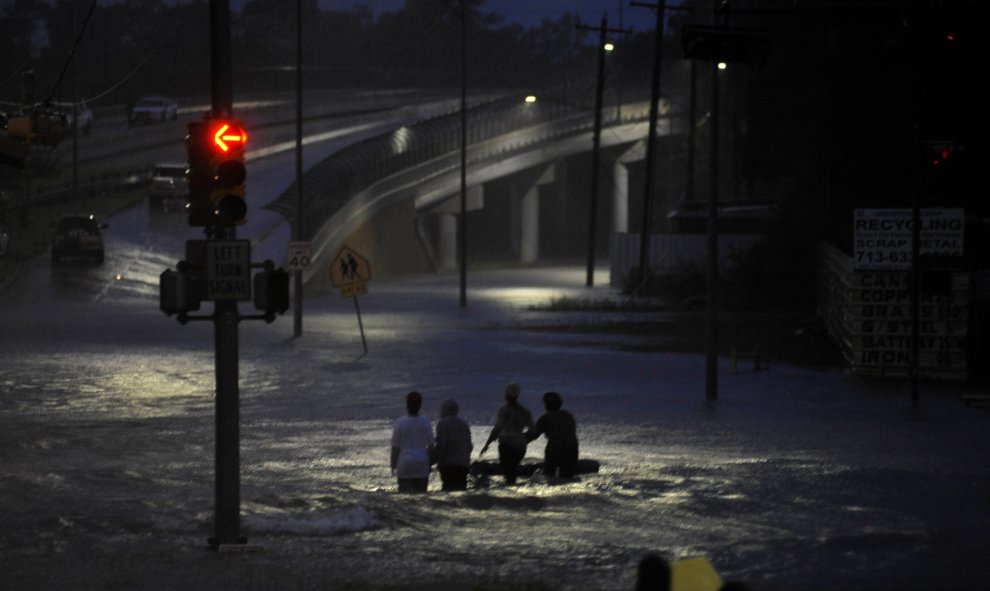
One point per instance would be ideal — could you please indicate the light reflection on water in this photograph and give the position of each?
(127, 451)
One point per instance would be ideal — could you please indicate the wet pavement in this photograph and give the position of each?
(795, 479)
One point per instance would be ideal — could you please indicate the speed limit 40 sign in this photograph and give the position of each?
(298, 254)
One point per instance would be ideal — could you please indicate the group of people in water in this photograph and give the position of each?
(416, 447)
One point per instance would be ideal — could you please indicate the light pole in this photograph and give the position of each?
(596, 145)
(462, 230)
(595, 154)
(297, 306)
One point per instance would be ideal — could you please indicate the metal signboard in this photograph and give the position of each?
(228, 270)
(882, 238)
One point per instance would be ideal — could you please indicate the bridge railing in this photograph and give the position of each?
(329, 185)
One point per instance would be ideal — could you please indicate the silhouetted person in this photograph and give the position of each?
(352, 267)
(653, 573)
(510, 430)
(453, 447)
(412, 444)
(559, 426)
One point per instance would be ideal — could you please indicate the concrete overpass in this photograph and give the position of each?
(395, 197)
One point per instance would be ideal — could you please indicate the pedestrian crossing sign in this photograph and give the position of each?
(350, 272)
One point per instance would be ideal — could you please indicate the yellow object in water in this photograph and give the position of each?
(694, 574)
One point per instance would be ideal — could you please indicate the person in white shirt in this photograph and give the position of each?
(412, 444)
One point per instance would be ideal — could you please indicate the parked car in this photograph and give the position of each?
(169, 186)
(153, 109)
(78, 238)
(84, 113)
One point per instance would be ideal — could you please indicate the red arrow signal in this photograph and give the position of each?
(226, 136)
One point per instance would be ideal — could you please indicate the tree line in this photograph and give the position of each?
(138, 47)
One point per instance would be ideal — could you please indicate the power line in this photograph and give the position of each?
(72, 54)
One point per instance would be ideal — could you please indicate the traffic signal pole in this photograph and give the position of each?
(225, 318)
(219, 269)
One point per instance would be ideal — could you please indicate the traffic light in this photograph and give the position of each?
(178, 292)
(216, 173)
(227, 171)
(271, 292)
(198, 209)
(941, 164)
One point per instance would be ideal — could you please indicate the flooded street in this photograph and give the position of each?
(794, 479)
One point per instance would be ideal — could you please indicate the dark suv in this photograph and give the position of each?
(78, 238)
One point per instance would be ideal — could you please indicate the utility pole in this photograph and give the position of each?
(692, 116)
(646, 228)
(27, 99)
(297, 327)
(462, 230)
(718, 45)
(914, 276)
(595, 154)
(75, 114)
(596, 145)
(712, 291)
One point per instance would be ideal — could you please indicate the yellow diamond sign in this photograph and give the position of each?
(350, 272)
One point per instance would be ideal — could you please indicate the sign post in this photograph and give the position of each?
(350, 273)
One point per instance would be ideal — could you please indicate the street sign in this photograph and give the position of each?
(350, 272)
(298, 255)
(228, 270)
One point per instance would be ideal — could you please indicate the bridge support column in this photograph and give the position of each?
(448, 241)
(529, 215)
(448, 212)
(620, 197)
(620, 186)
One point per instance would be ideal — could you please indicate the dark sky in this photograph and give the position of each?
(525, 12)
(529, 12)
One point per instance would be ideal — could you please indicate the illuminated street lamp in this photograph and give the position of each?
(609, 46)
(531, 98)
